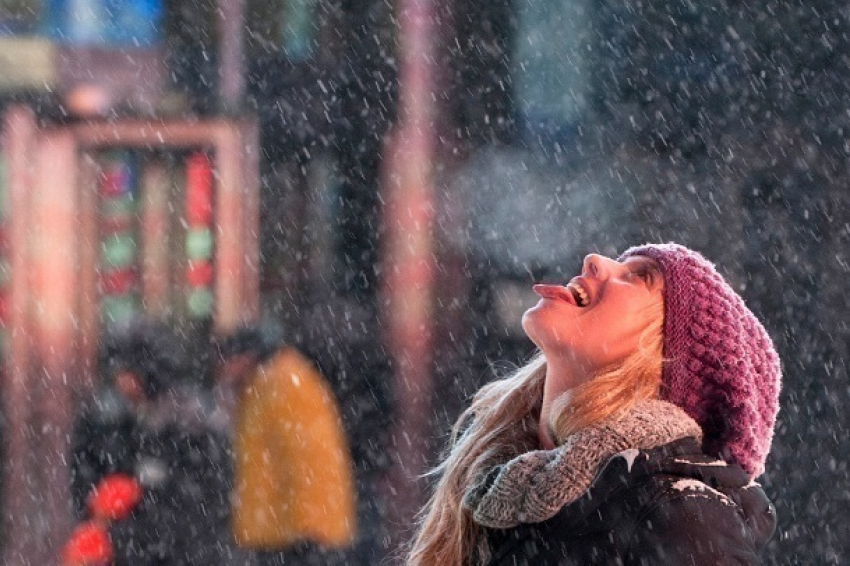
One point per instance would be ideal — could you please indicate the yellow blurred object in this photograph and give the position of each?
(294, 476)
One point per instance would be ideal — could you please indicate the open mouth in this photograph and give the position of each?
(580, 294)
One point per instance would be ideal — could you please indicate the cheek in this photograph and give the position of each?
(619, 332)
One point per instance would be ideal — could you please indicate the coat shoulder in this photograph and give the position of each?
(670, 505)
(688, 521)
(692, 508)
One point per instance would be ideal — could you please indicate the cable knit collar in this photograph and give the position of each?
(534, 486)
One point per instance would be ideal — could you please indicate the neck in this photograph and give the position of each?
(561, 376)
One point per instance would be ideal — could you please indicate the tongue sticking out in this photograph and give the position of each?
(557, 292)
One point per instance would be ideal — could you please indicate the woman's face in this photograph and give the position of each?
(597, 319)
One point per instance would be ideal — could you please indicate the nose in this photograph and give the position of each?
(599, 266)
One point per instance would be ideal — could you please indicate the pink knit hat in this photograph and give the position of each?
(720, 364)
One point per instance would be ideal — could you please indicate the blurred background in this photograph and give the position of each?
(384, 180)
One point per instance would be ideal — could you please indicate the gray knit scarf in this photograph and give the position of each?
(534, 486)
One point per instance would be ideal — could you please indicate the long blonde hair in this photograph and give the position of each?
(502, 422)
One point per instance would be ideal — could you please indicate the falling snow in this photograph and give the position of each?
(419, 165)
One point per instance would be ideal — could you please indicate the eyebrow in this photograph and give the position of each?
(641, 260)
(653, 263)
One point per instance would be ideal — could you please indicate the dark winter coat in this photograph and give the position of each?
(666, 505)
(182, 518)
(106, 439)
(634, 488)
(184, 467)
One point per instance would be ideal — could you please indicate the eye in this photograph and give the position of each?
(647, 272)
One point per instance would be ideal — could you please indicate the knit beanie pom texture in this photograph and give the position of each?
(720, 365)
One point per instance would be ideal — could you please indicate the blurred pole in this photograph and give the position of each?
(43, 366)
(55, 272)
(408, 266)
(237, 220)
(231, 21)
(19, 130)
(51, 343)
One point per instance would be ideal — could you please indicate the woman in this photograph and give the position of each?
(633, 437)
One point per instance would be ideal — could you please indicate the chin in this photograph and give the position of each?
(527, 316)
(530, 325)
